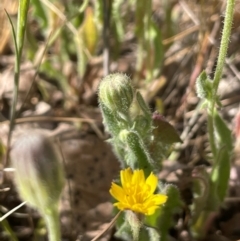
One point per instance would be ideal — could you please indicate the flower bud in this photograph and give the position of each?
(116, 92)
(38, 173)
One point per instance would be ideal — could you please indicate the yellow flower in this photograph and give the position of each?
(136, 193)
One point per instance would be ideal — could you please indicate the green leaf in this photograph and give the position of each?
(221, 169)
(143, 127)
(155, 51)
(221, 173)
(223, 133)
(164, 131)
(118, 19)
(137, 155)
(21, 25)
(143, 105)
(40, 13)
(110, 121)
(14, 35)
(204, 86)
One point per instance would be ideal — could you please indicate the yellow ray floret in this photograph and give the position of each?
(137, 193)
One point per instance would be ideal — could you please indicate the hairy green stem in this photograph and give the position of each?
(219, 69)
(53, 225)
(223, 46)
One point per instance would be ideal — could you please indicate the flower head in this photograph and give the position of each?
(137, 193)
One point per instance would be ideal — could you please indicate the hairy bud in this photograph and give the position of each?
(38, 173)
(116, 92)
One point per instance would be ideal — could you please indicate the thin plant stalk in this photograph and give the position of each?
(219, 69)
(18, 42)
(224, 45)
(53, 225)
